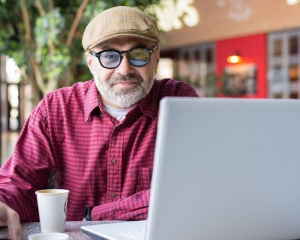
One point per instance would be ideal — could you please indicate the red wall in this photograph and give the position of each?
(252, 49)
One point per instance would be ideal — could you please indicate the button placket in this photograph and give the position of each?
(114, 166)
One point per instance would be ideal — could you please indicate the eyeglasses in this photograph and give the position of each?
(137, 57)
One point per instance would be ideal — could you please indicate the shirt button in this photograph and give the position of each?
(114, 161)
(113, 195)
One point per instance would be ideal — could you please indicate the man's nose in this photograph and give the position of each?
(125, 67)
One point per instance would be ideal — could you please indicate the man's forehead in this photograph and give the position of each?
(125, 42)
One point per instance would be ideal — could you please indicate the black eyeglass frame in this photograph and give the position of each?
(98, 54)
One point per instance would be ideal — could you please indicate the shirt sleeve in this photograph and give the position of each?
(171, 87)
(186, 90)
(134, 207)
(28, 169)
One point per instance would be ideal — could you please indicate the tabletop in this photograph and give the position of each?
(72, 229)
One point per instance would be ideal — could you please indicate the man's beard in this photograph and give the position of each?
(126, 97)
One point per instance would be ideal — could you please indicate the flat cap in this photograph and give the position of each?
(120, 21)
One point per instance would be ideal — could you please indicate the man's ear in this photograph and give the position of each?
(89, 61)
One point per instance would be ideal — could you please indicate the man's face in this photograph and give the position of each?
(124, 85)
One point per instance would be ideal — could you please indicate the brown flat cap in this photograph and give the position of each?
(119, 21)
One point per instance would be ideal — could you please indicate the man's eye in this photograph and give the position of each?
(139, 54)
(111, 57)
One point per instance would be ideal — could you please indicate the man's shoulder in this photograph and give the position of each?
(166, 81)
(172, 87)
(77, 92)
(63, 100)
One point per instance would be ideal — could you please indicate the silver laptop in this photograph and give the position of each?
(224, 169)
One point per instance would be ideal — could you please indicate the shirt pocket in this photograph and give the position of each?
(141, 179)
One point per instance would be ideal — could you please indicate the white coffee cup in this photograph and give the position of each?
(52, 204)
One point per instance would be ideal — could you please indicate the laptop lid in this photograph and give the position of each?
(226, 169)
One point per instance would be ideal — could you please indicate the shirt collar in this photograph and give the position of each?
(148, 105)
(92, 100)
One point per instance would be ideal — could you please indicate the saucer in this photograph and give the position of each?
(48, 236)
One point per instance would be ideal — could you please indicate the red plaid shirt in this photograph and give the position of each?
(103, 162)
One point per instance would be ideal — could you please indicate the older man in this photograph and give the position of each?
(95, 138)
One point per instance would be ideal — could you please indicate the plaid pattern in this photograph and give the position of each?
(70, 142)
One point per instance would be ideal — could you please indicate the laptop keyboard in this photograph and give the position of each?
(136, 235)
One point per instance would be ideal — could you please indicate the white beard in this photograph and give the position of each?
(125, 97)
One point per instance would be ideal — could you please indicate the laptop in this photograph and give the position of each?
(223, 169)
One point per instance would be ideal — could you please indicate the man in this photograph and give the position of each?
(95, 138)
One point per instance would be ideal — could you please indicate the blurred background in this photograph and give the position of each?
(222, 48)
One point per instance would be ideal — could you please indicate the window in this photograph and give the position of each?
(293, 73)
(284, 61)
(277, 51)
(195, 63)
(293, 43)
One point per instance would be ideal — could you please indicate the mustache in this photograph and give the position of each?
(123, 78)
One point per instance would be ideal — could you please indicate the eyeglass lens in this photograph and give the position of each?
(137, 57)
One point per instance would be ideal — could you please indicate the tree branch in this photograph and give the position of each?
(38, 75)
(50, 40)
(40, 8)
(76, 22)
(51, 6)
(29, 42)
(28, 36)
